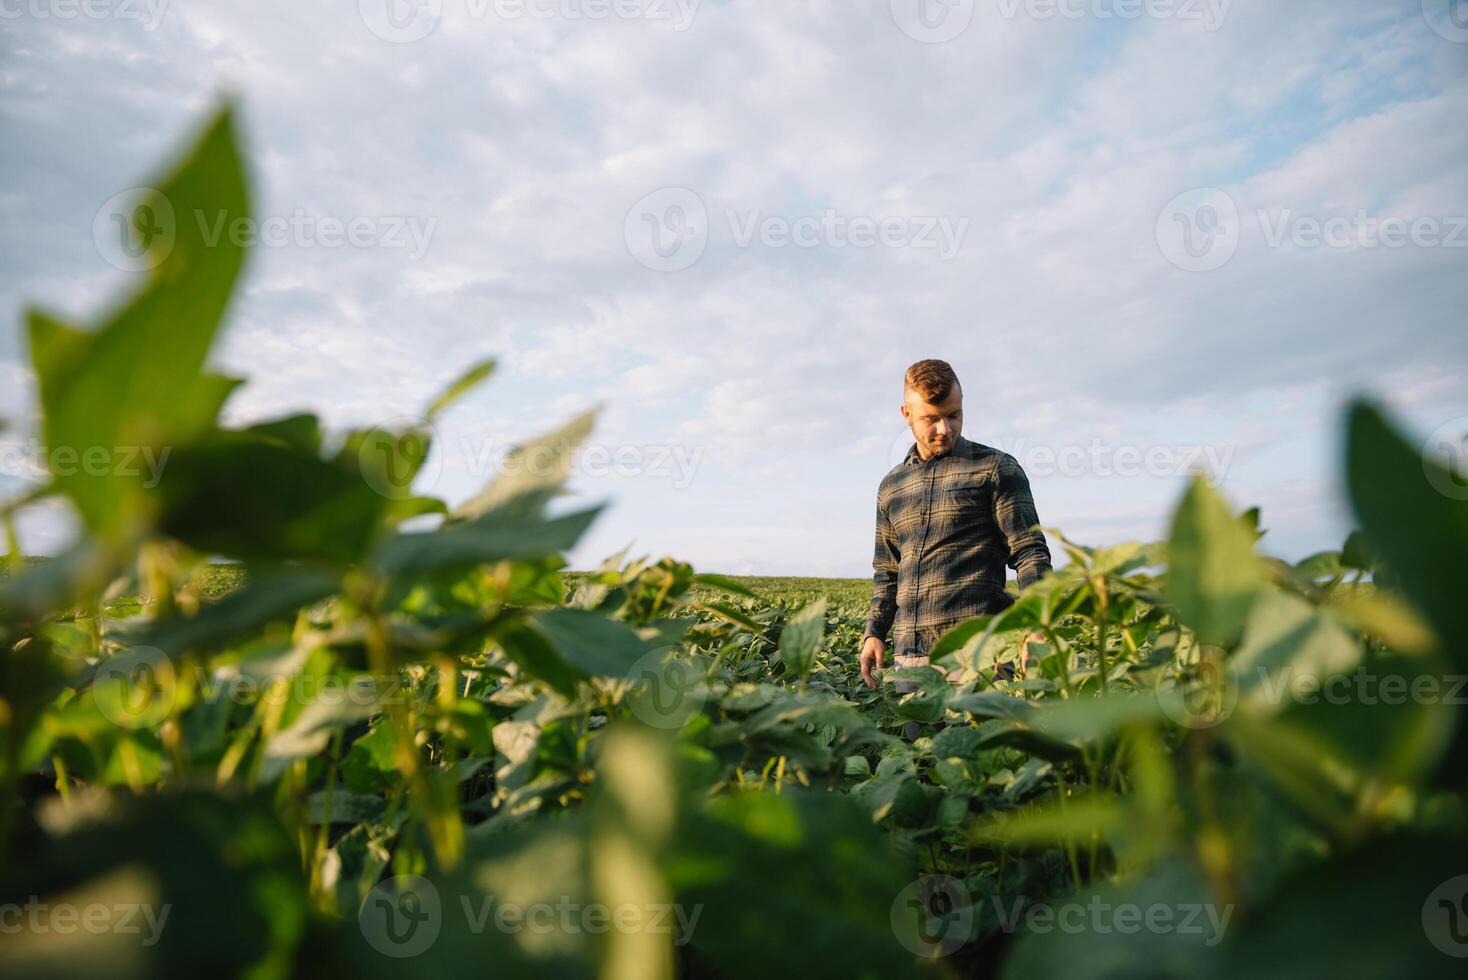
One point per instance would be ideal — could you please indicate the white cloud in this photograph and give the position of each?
(1057, 141)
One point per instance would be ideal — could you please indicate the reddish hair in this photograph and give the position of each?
(932, 379)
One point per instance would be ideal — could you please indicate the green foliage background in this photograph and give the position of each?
(642, 734)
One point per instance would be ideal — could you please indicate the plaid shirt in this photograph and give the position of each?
(946, 528)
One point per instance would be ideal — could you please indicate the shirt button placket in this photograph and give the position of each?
(922, 550)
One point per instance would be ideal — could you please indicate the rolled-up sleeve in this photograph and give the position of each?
(884, 578)
(1015, 515)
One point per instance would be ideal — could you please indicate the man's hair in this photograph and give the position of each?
(932, 379)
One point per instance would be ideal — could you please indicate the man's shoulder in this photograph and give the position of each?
(986, 457)
(894, 477)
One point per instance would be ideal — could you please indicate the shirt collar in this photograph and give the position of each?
(915, 458)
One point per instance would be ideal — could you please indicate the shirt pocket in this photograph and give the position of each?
(970, 502)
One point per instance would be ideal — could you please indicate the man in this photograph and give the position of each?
(950, 517)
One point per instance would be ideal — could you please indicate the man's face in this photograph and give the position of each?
(934, 426)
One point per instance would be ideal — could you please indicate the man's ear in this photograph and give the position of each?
(905, 414)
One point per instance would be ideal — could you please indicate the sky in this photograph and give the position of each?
(1151, 236)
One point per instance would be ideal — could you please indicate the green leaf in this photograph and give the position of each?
(267, 596)
(301, 431)
(593, 644)
(534, 471)
(532, 651)
(1086, 718)
(993, 704)
(1074, 821)
(723, 582)
(461, 386)
(1213, 573)
(730, 614)
(1119, 559)
(801, 638)
(958, 636)
(1357, 553)
(1418, 527)
(138, 382)
(249, 497)
(1393, 901)
(494, 536)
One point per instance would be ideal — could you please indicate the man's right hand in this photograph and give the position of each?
(873, 651)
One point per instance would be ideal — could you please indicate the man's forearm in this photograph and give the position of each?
(879, 620)
(1031, 564)
(885, 559)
